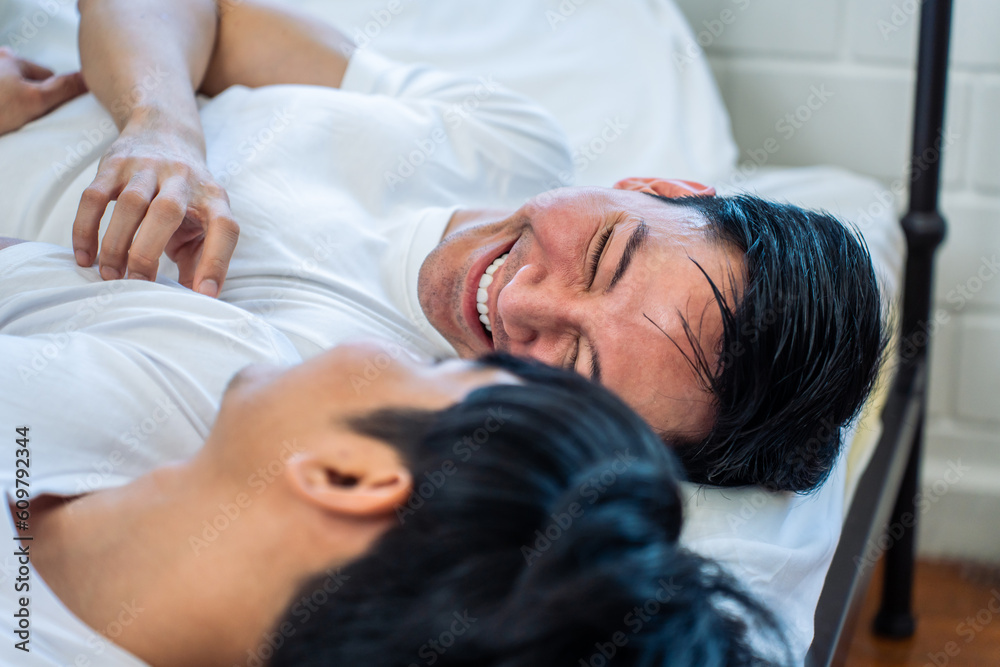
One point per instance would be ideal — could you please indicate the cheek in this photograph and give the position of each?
(561, 243)
(439, 267)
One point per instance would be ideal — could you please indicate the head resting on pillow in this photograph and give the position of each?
(746, 332)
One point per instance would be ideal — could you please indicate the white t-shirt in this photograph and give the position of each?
(112, 380)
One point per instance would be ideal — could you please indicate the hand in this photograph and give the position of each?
(167, 201)
(29, 91)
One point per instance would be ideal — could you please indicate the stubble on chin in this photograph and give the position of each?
(439, 292)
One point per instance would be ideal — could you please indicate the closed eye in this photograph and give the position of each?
(595, 259)
(571, 364)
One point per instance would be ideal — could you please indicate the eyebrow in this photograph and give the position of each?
(635, 243)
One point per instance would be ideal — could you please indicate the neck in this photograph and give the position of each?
(170, 567)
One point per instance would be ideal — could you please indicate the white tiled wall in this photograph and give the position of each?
(767, 55)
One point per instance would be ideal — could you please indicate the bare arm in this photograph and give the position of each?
(123, 41)
(258, 44)
(143, 59)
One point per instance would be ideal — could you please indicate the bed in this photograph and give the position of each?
(622, 81)
(887, 487)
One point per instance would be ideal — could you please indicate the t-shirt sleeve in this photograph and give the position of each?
(113, 378)
(476, 117)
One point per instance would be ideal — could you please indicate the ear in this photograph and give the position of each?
(370, 492)
(665, 187)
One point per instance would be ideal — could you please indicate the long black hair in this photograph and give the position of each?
(542, 530)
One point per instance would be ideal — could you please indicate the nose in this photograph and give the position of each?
(537, 315)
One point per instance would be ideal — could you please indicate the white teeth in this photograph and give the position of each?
(481, 295)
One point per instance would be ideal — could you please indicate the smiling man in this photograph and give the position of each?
(744, 331)
(586, 279)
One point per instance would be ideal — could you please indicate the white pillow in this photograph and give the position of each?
(616, 75)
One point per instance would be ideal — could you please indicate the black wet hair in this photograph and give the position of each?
(542, 530)
(803, 337)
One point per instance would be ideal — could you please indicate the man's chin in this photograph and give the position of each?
(471, 347)
(468, 344)
(465, 352)
(464, 343)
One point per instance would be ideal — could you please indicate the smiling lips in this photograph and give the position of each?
(482, 296)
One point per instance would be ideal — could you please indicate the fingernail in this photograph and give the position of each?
(136, 276)
(109, 273)
(208, 287)
(83, 258)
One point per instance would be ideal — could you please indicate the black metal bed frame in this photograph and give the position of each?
(892, 475)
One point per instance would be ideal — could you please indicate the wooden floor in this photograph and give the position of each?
(958, 621)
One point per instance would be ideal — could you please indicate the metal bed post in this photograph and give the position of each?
(925, 230)
(892, 476)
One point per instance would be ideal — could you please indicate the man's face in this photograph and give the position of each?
(596, 280)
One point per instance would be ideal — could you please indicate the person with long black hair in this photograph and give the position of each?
(554, 542)
(494, 512)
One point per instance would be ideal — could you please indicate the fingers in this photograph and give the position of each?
(56, 90)
(87, 224)
(30, 70)
(34, 99)
(133, 203)
(217, 251)
(167, 202)
(156, 214)
(162, 219)
(162, 216)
